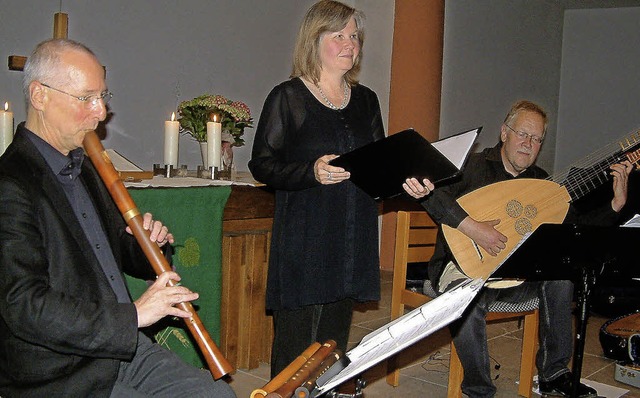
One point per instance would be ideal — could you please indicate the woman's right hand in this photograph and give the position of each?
(327, 174)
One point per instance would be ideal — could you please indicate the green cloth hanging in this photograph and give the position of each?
(194, 216)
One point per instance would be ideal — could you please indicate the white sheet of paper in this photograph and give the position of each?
(457, 147)
(634, 222)
(406, 330)
(120, 162)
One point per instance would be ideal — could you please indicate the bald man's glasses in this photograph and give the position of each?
(90, 101)
(523, 136)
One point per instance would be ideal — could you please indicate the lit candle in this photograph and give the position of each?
(171, 129)
(6, 128)
(214, 142)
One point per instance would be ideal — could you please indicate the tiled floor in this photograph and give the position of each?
(425, 365)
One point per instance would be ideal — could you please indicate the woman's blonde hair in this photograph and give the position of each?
(324, 16)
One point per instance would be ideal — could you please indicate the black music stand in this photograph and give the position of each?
(579, 253)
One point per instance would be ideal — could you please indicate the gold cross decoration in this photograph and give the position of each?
(60, 31)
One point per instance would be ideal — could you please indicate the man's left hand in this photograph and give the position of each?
(620, 172)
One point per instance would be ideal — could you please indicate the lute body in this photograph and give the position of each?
(521, 205)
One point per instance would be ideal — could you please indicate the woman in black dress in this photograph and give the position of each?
(324, 249)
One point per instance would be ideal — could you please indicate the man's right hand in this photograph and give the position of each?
(484, 234)
(159, 300)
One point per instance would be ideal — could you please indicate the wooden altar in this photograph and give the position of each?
(194, 215)
(234, 223)
(246, 330)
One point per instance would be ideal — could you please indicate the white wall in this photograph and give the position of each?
(376, 67)
(576, 58)
(600, 82)
(497, 52)
(161, 52)
(158, 53)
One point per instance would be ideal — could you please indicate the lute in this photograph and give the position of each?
(522, 205)
(620, 338)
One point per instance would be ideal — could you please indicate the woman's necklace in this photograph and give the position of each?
(329, 103)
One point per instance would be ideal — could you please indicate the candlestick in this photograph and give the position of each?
(171, 129)
(6, 128)
(214, 143)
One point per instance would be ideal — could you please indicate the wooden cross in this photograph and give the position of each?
(60, 31)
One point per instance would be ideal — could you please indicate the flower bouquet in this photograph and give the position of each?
(233, 115)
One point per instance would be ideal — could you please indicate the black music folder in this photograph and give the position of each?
(380, 168)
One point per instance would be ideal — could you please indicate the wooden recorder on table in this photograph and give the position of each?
(303, 376)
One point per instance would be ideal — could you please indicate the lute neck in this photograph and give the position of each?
(593, 171)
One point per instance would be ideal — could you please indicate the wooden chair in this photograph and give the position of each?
(415, 242)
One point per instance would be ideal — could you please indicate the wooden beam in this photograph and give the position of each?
(16, 62)
(416, 67)
(416, 80)
(60, 31)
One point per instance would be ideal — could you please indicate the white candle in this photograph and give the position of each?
(214, 143)
(171, 130)
(6, 128)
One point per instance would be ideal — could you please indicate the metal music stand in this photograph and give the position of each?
(579, 253)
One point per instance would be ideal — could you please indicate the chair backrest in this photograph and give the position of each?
(415, 242)
(415, 237)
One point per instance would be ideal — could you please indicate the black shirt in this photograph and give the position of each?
(68, 171)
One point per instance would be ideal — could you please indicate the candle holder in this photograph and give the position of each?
(182, 171)
(169, 171)
(210, 173)
(158, 170)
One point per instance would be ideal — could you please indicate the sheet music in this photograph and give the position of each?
(457, 147)
(406, 330)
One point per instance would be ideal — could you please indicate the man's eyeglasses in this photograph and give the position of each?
(523, 136)
(90, 101)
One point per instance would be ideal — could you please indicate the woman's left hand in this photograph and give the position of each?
(327, 174)
(413, 187)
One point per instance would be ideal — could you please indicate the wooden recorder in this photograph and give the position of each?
(217, 363)
(300, 378)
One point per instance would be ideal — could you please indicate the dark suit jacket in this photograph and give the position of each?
(62, 331)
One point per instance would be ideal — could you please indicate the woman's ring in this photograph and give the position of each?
(330, 176)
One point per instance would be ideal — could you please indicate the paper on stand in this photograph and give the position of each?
(405, 331)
